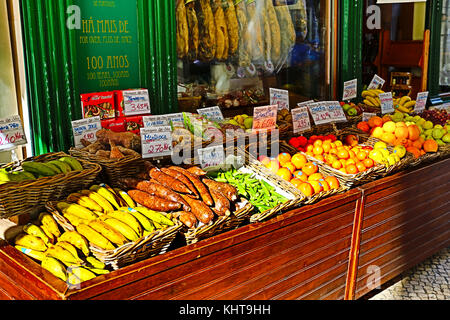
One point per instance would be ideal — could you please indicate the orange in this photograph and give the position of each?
(310, 168)
(361, 167)
(416, 152)
(306, 189)
(401, 133)
(343, 154)
(325, 185)
(315, 177)
(351, 154)
(414, 132)
(297, 182)
(299, 160)
(336, 165)
(338, 143)
(265, 160)
(343, 170)
(290, 166)
(388, 137)
(368, 163)
(318, 150)
(430, 146)
(333, 182)
(320, 157)
(326, 147)
(362, 155)
(301, 176)
(343, 162)
(351, 169)
(309, 153)
(375, 122)
(285, 174)
(317, 186)
(318, 143)
(333, 151)
(350, 162)
(274, 166)
(310, 148)
(284, 158)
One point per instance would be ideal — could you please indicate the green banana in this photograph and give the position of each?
(72, 162)
(63, 167)
(155, 216)
(143, 220)
(38, 168)
(55, 267)
(54, 167)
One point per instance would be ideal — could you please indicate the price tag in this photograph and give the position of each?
(11, 133)
(367, 115)
(156, 142)
(212, 156)
(387, 103)
(265, 118)
(319, 112)
(280, 98)
(336, 112)
(300, 120)
(155, 121)
(176, 120)
(212, 114)
(350, 90)
(421, 102)
(136, 102)
(85, 129)
(305, 104)
(377, 83)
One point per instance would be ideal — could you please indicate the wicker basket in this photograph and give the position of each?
(151, 245)
(220, 225)
(113, 169)
(23, 197)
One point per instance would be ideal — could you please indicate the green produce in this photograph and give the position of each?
(260, 193)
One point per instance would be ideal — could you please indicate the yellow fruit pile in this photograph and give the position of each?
(404, 104)
(371, 97)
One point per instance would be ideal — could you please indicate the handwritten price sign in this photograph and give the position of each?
(336, 112)
(213, 113)
(320, 113)
(350, 90)
(421, 102)
(212, 156)
(387, 102)
(85, 129)
(300, 120)
(156, 142)
(280, 98)
(265, 118)
(376, 83)
(136, 102)
(11, 133)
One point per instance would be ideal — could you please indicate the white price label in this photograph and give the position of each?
(11, 133)
(350, 90)
(176, 120)
(156, 142)
(367, 115)
(300, 120)
(319, 112)
(336, 112)
(376, 83)
(387, 103)
(136, 102)
(155, 121)
(212, 114)
(85, 129)
(305, 104)
(212, 156)
(265, 118)
(280, 98)
(421, 102)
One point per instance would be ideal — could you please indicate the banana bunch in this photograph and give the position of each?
(66, 255)
(404, 104)
(371, 97)
(32, 170)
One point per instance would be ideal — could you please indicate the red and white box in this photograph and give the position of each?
(98, 104)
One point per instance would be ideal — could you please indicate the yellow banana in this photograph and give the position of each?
(369, 103)
(126, 198)
(105, 204)
(155, 216)
(108, 232)
(410, 104)
(74, 220)
(404, 100)
(378, 92)
(51, 237)
(30, 242)
(47, 220)
(373, 101)
(55, 267)
(38, 255)
(123, 228)
(84, 201)
(69, 247)
(62, 205)
(81, 212)
(95, 263)
(77, 240)
(105, 193)
(368, 93)
(403, 109)
(94, 237)
(63, 255)
(98, 271)
(79, 274)
(145, 222)
(36, 231)
(127, 218)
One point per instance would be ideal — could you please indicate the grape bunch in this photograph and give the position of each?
(436, 116)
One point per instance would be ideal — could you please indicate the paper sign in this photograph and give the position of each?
(387, 102)
(319, 113)
(265, 118)
(156, 142)
(279, 97)
(136, 102)
(300, 120)
(377, 83)
(421, 102)
(336, 112)
(85, 129)
(350, 90)
(305, 104)
(367, 115)
(211, 156)
(11, 133)
(155, 121)
(212, 114)
(176, 120)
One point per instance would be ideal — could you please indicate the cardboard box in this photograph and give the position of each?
(101, 104)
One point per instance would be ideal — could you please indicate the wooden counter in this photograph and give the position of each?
(323, 251)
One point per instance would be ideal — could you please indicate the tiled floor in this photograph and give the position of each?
(429, 280)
